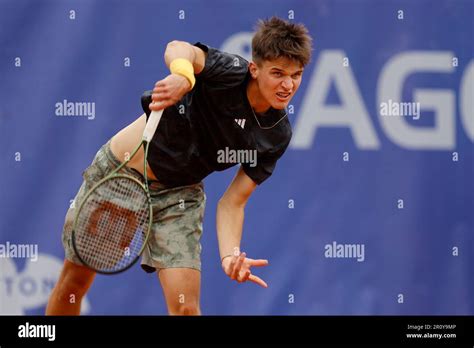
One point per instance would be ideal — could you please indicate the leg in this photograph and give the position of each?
(174, 247)
(71, 287)
(181, 287)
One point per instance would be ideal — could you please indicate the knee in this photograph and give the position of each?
(185, 309)
(73, 286)
(74, 280)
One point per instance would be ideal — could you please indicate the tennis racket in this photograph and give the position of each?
(113, 222)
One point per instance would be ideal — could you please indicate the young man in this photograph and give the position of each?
(214, 103)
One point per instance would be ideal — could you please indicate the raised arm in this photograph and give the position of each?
(182, 49)
(188, 61)
(230, 219)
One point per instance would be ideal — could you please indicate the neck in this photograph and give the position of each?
(255, 98)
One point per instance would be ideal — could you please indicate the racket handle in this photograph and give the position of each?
(151, 125)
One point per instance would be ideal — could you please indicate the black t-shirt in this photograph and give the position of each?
(213, 127)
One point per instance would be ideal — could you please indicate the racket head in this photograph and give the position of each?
(113, 223)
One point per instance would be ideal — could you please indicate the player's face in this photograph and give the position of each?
(278, 81)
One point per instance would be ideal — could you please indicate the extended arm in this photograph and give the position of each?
(230, 219)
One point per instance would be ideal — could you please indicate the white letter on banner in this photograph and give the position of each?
(467, 100)
(390, 86)
(351, 113)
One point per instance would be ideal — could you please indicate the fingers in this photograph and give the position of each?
(160, 88)
(257, 263)
(160, 83)
(237, 265)
(160, 105)
(162, 100)
(243, 278)
(169, 91)
(160, 91)
(160, 96)
(239, 269)
(257, 280)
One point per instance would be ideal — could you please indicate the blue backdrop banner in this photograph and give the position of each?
(370, 210)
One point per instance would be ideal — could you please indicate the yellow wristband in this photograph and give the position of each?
(183, 67)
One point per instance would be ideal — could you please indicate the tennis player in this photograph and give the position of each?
(219, 110)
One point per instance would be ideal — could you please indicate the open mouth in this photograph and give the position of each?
(283, 96)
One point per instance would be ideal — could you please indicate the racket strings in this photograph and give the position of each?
(111, 226)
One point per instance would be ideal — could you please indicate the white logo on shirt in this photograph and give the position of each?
(240, 122)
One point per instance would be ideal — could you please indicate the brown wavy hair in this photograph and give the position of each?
(275, 38)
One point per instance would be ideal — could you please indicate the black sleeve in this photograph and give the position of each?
(265, 164)
(222, 69)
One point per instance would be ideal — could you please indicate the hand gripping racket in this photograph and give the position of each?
(113, 223)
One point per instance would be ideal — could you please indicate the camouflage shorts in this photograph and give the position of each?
(177, 218)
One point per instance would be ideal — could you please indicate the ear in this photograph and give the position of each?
(253, 69)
